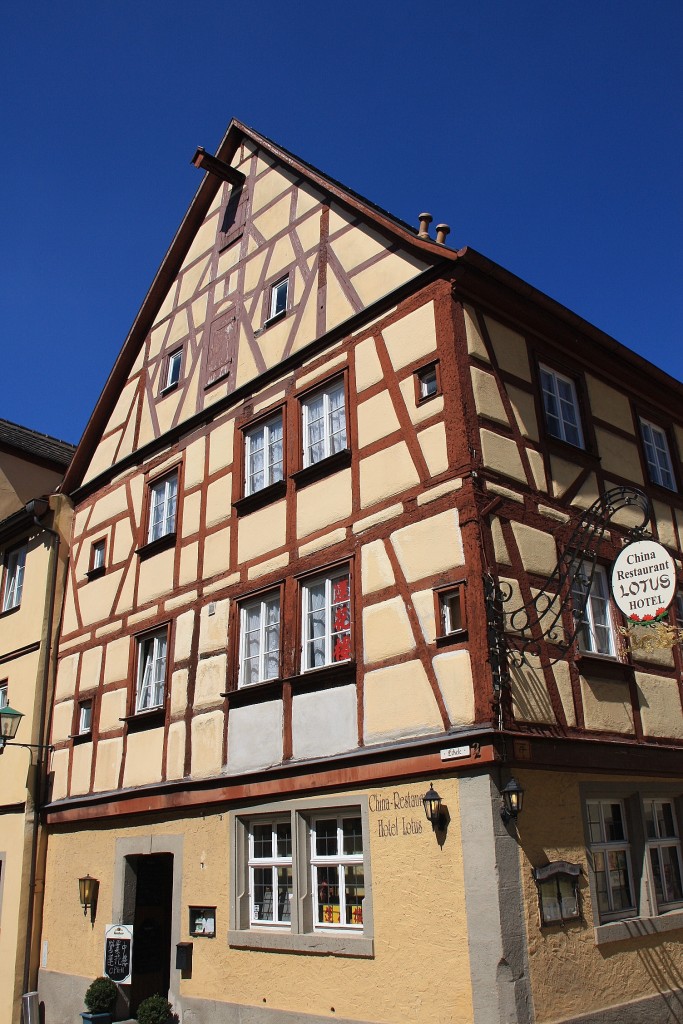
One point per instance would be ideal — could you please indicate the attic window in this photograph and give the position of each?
(427, 383)
(278, 299)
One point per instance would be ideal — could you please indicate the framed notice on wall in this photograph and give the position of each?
(118, 952)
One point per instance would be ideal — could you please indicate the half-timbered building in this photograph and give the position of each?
(332, 459)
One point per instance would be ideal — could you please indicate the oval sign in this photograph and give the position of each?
(643, 581)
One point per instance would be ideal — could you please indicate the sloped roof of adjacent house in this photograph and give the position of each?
(36, 446)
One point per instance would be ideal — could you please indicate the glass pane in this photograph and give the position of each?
(618, 880)
(354, 892)
(283, 839)
(601, 883)
(263, 840)
(284, 894)
(352, 836)
(328, 895)
(326, 837)
(665, 820)
(550, 902)
(614, 826)
(263, 894)
(672, 873)
(568, 899)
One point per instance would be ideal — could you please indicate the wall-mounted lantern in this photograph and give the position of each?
(87, 892)
(432, 806)
(513, 799)
(9, 723)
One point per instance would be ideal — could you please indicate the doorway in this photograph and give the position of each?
(148, 903)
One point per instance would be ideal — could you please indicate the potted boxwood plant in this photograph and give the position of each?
(155, 1010)
(100, 1000)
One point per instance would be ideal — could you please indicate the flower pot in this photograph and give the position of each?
(97, 1018)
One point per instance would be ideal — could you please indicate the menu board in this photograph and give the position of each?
(118, 952)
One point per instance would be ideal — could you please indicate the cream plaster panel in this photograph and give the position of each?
(167, 304)
(499, 545)
(524, 408)
(144, 751)
(665, 526)
(252, 273)
(501, 454)
(188, 570)
(325, 540)
(308, 231)
(660, 705)
(307, 198)
(255, 736)
(103, 457)
(538, 549)
(383, 277)
(510, 348)
(218, 498)
(368, 368)
(424, 411)
(661, 657)
(337, 306)
(202, 241)
(324, 722)
(59, 767)
(587, 493)
(108, 506)
(610, 405)
(618, 455)
(155, 576)
(506, 492)
(376, 571)
(192, 511)
(423, 602)
(433, 444)
(91, 665)
(269, 187)
(262, 531)
(207, 744)
(437, 492)
(184, 626)
(198, 309)
(175, 751)
(606, 705)
(530, 697)
(194, 463)
(124, 404)
(210, 681)
(217, 553)
(81, 764)
(487, 396)
(361, 525)
(563, 474)
(62, 720)
(221, 446)
(97, 600)
(537, 468)
(116, 660)
(376, 419)
(268, 398)
(108, 764)
(67, 670)
(454, 675)
(112, 709)
(553, 513)
(475, 342)
(279, 562)
(282, 253)
(179, 698)
(179, 327)
(357, 245)
(193, 279)
(213, 629)
(563, 682)
(386, 473)
(123, 541)
(411, 337)
(386, 631)
(315, 375)
(430, 546)
(323, 503)
(226, 261)
(399, 702)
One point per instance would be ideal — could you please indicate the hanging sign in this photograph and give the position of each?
(643, 581)
(118, 952)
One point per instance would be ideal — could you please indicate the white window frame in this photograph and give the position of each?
(150, 689)
(4, 694)
(597, 620)
(14, 578)
(163, 506)
(455, 596)
(173, 366)
(85, 708)
(264, 438)
(605, 847)
(275, 863)
(278, 300)
(327, 580)
(563, 421)
(263, 602)
(657, 455)
(99, 550)
(655, 845)
(331, 440)
(340, 861)
(428, 382)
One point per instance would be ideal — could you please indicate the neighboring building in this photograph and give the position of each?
(324, 434)
(31, 584)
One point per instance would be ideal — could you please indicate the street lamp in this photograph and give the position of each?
(9, 723)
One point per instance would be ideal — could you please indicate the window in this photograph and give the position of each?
(450, 610)
(151, 671)
(664, 851)
(97, 555)
(326, 620)
(302, 878)
(595, 629)
(324, 423)
(14, 578)
(279, 293)
(561, 407)
(173, 364)
(263, 455)
(260, 639)
(162, 507)
(611, 856)
(427, 383)
(84, 717)
(657, 455)
(4, 698)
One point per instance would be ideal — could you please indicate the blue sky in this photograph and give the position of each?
(547, 135)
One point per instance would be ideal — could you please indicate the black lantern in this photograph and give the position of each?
(513, 798)
(432, 806)
(9, 723)
(87, 891)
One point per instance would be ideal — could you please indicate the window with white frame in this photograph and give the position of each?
(664, 850)
(324, 423)
(428, 383)
(151, 671)
(326, 619)
(14, 578)
(84, 717)
(173, 365)
(4, 694)
(593, 614)
(260, 639)
(657, 455)
(263, 455)
(162, 507)
(561, 407)
(302, 877)
(97, 555)
(451, 610)
(611, 858)
(279, 293)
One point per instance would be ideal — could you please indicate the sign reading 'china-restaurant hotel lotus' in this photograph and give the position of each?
(643, 581)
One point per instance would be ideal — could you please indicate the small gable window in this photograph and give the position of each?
(173, 365)
(427, 383)
(279, 295)
(84, 717)
(14, 578)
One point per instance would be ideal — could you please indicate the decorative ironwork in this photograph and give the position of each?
(517, 634)
(651, 636)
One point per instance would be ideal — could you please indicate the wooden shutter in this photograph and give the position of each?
(220, 360)
(235, 215)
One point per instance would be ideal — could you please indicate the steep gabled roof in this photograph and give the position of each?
(36, 446)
